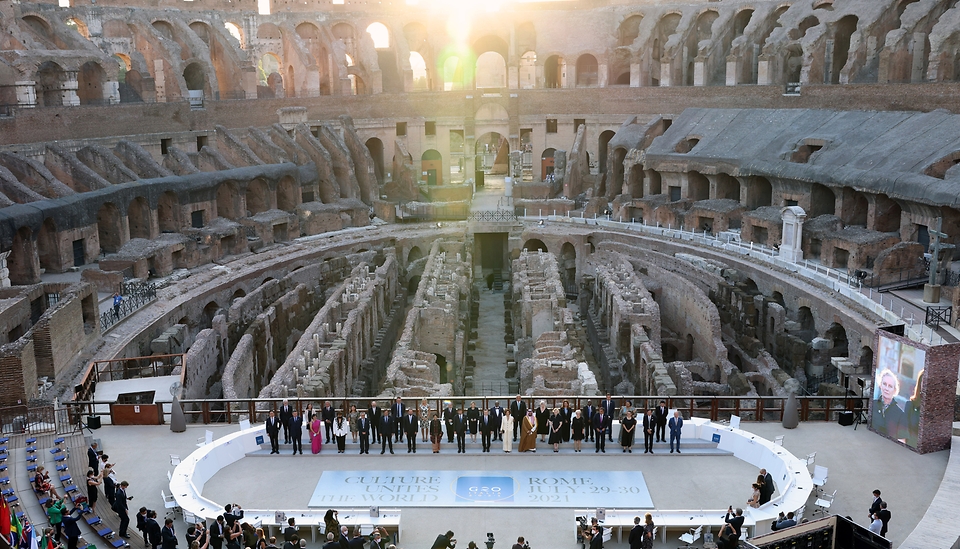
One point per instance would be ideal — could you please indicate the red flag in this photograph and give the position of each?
(4, 519)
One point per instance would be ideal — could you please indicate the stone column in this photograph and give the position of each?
(69, 87)
(4, 271)
(26, 93)
(732, 70)
(699, 71)
(916, 69)
(765, 71)
(111, 92)
(160, 81)
(791, 247)
(634, 75)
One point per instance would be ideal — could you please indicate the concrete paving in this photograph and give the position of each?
(859, 461)
(491, 352)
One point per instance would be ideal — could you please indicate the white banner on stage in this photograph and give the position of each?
(574, 489)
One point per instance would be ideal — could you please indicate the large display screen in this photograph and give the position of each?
(897, 387)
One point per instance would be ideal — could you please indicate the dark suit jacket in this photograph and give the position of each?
(660, 414)
(487, 424)
(496, 414)
(153, 532)
(344, 541)
(768, 487)
(410, 423)
(357, 542)
(387, 424)
(676, 425)
(327, 413)
(296, 426)
(448, 415)
(286, 412)
(363, 426)
(93, 460)
(374, 414)
(70, 526)
(884, 515)
(636, 537)
(649, 423)
(875, 506)
(398, 410)
(460, 423)
(597, 541)
(273, 426)
(120, 504)
(589, 412)
(735, 522)
(609, 407)
(168, 538)
(289, 532)
(600, 421)
(518, 410)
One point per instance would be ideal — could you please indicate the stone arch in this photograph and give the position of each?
(431, 165)
(235, 31)
(380, 35)
(841, 45)
(414, 254)
(616, 186)
(269, 80)
(168, 212)
(420, 72)
(546, 163)
(494, 69)
(48, 247)
(109, 228)
(78, 25)
(164, 28)
(195, 77)
(568, 268)
(493, 151)
(806, 24)
(698, 186)
(375, 146)
(23, 262)
(528, 70)
(635, 182)
(602, 142)
(257, 197)
(534, 244)
(838, 335)
(210, 310)
(291, 90)
(49, 84)
(588, 71)
(759, 192)
(887, 214)
(238, 294)
(806, 321)
(629, 30)
(288, 196)
(822, 200)
(138, 218)
(855, 207)
(269, 31)
(554, 69)
(656, 181)
(728, 187)
(702, 30)
(228, 201)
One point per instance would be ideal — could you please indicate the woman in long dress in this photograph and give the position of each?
(473, 421)
(543, 420)
(556, 424)
(352, 416)
(436, 432)
(576, 427)
(506, 428)
(316, 440)
(628, 427)
(648, 530)
(424, 419)
(754, 500)
(528, 433)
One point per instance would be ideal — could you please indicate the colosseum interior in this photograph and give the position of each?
(599, 205)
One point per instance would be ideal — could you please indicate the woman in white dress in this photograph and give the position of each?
(506, 429)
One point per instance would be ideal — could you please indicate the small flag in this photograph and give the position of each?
(4, 519)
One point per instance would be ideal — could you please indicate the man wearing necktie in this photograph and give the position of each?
(168, 538)
(398, 412)
(363, 429)
(486, 429)
(460, 427)
(660, 414)
(600, 428)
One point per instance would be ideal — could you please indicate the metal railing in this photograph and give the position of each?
(494, 216)
(35, 420)
(714, 408)
(135, 296)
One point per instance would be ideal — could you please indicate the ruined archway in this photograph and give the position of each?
(841, 45)
(109, 228)
(728, 187)
(535, 244)
(588, 72)
(554, 69)
(138, 218)
(568, 268)
(206, 318)
(822, 201)
(256, 195)
(375, 146)
(698, 186)
(23, 262)
(602, 142)
(493, 153)
(288, 196)
(48, 247)
(431, 166)
(491, 71)
(415, 254)
(228, 201)
(629, 30)
(269, 81)
(49, 84)
(528, 70)
(546, 163)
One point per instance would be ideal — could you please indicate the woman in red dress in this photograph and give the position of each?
(316, 440)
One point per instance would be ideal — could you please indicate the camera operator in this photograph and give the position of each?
(232, 512)
(445, 541)
(521, 544)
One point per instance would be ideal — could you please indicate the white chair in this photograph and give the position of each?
(734, 422)
(824, 502)
(188, 517)
(169, 476)
(798, 516)
(692, 536)
(244, 424)
(205, 439)
(174, 459)
(170, 503)
(820, 474)
(811, 458)
(778, 440)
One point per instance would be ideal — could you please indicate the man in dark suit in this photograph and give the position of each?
(566, 414)
(496, 415)
(142, 523)
(518, 410)
(486, 430)
(363, 429)
(884, 516)
(636, 534)
(649, 425)
(327, 414)
(345, 536)
(660, 414)
(286, 412)
(216, 533)
(153, 536)
(460, 427)
(397, 411)
(120, 506)
(296, 431)
(273, 431)
(767, 490)
(596, 537)
(386, 432)
(332, 542)
(729, 536)
(376, 542)
(93, 459)
(676, 426)
(409, 425)
(609, 407)
(589, 410)
(373, 414)
(448, 414)
(875, 506)
(71, 529)
(600, 428)
(167, 536)
(290, 530)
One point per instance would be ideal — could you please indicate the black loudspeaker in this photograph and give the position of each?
(846, 418)
(93, 422)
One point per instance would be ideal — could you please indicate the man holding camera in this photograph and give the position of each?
(521, 543)
(445, 541)
(729, 537)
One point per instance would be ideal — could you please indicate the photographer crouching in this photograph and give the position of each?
(445, 541)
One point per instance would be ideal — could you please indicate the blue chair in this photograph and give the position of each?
(31, 449)
(56, 450)
(58, 440)
(64, 479)
(94, 520)
(4, 440)
(70, 489)
(32, 468)
(43, 501)
(118, 543)
(13, 500)
(61, 457)
(32, 457)
(61, 467)
(31, 440)
(5, 480)
(105, 532)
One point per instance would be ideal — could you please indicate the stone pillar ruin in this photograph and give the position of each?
(111, 92)
(69, 89)
(4, 271)
(791, 248)
(26, 93)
